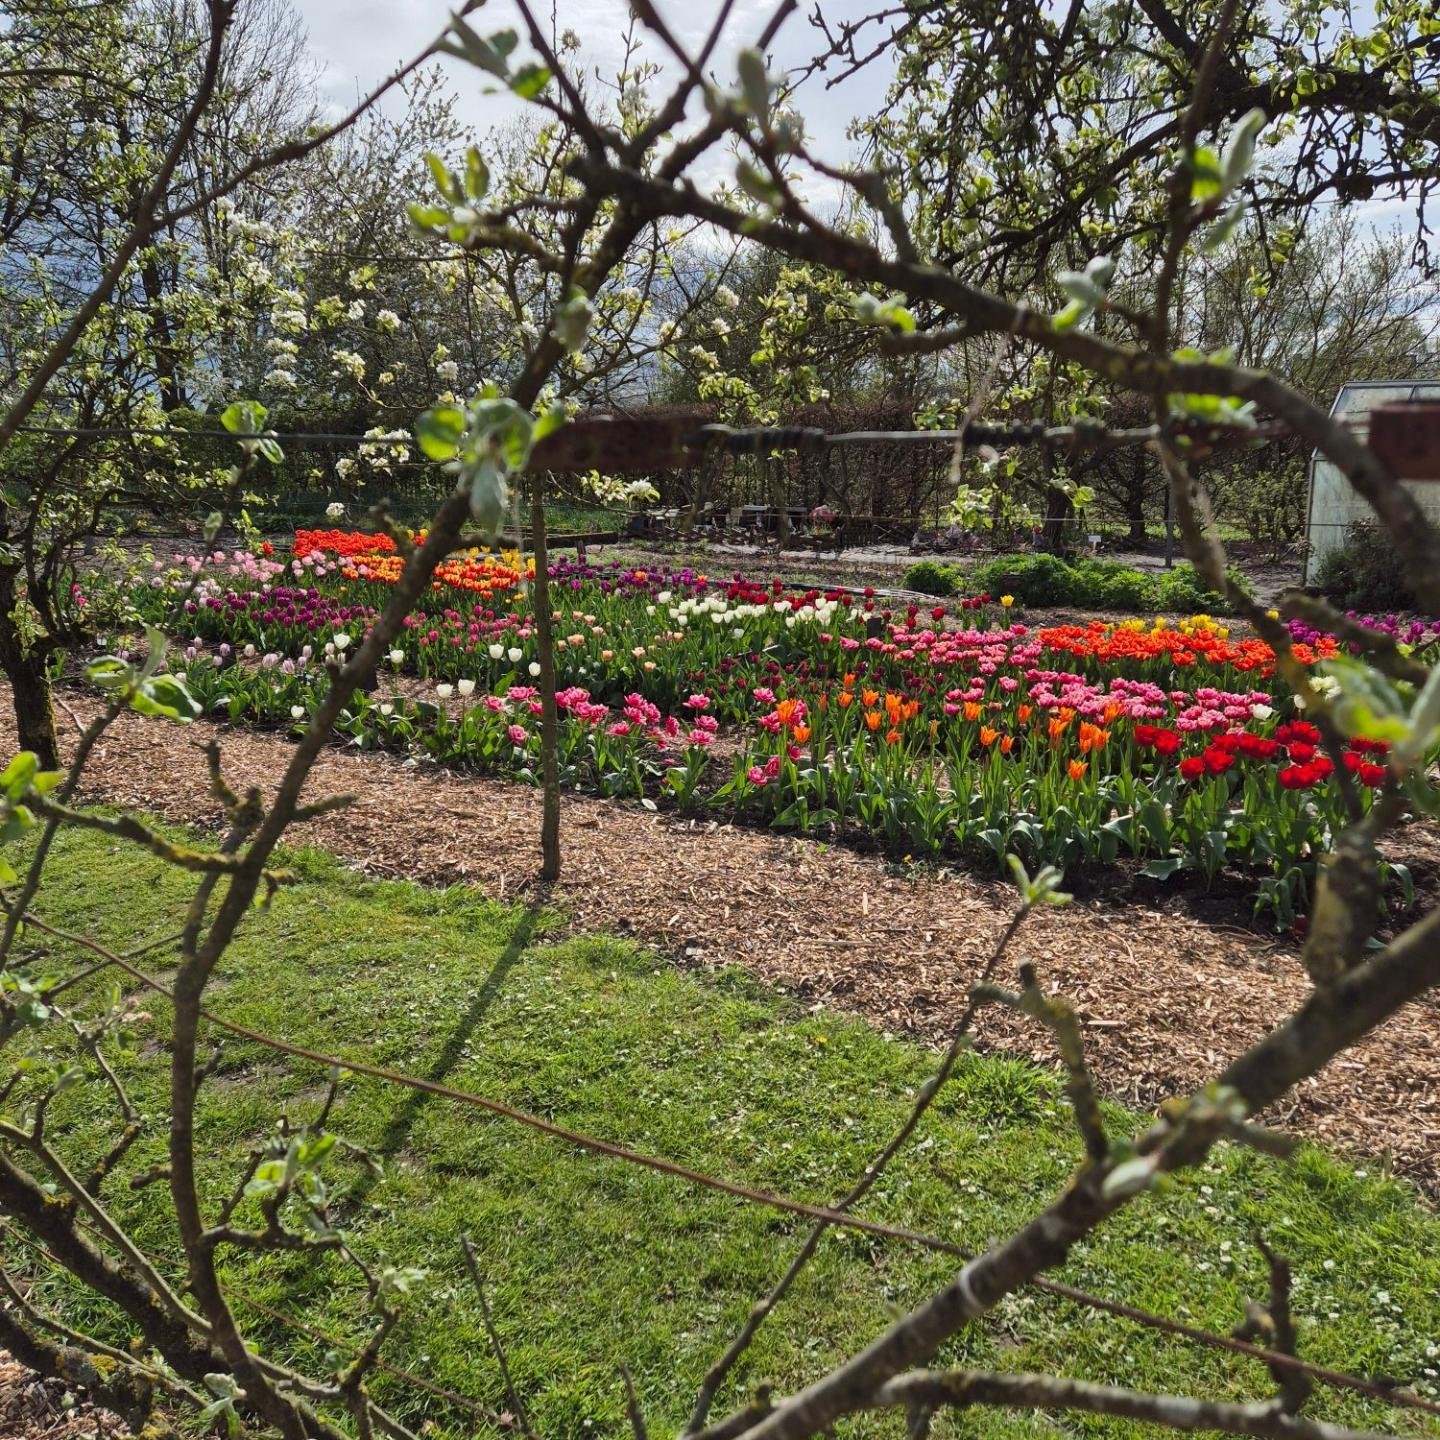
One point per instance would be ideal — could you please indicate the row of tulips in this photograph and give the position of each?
(991, 776)
(932, 731)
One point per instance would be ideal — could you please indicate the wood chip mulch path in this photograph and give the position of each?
(32, 1408)
(1165, 998)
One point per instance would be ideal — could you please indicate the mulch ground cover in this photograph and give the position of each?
(1165, 993)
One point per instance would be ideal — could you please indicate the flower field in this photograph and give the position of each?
(953, 730)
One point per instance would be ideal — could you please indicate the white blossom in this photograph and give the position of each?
(347, 362)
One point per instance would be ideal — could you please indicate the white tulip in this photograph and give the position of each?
(466, 687)
(297, 712)
(396, 657)
(514, 653)
(534, 669)
(496, 651)
(444, 691)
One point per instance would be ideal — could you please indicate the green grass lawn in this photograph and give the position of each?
(592, 1262)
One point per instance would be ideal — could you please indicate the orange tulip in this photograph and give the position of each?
(823, 704)
(872, 719)
(1024, 712)
(892, 737)
(1077, 769)
(848, 680)
(787, 711)
(988, 736)
(971, 709)
(910, 710)
(801, 733)
(1007, 744)
(893, 705)
(870, 698)
(843, 699)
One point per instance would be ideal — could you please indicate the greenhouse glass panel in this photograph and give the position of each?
(1334, 505)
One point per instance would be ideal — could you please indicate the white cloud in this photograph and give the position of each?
(358, 42)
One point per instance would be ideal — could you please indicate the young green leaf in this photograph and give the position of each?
(1240, 148)
(754, 84)
(757, 184)
(477, 174)
(1080, 286)
(1071, 315)
(439, 431)
(1223, 228)
(530, 80)
(243, 417)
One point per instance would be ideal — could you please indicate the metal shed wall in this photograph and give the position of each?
(1333, 505)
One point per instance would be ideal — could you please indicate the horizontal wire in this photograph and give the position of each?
(744, 439)
(280, 1317)
(839, 1218)
(179, 432)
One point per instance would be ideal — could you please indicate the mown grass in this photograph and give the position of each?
(591, 1262)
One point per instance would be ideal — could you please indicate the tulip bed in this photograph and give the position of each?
(955, 730)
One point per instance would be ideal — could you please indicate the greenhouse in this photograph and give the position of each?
(1333, 505)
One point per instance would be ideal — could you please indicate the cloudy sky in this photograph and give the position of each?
(358, 41)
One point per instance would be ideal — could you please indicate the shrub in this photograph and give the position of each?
(1105, 585)
(1362, 573)
(1038, 579)
(929, 577)
(1092, 584)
